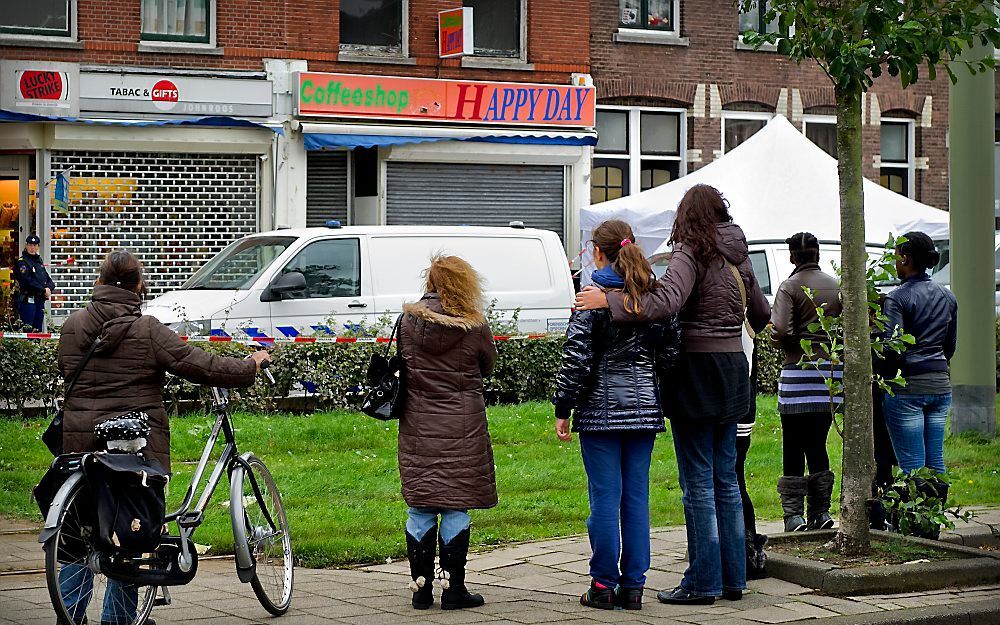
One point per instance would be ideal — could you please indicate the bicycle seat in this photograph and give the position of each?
(124, 433)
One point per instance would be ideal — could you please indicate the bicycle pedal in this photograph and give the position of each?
(164, 600)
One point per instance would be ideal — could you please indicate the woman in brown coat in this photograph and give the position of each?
(126, 372)
(128, 369)
(445, 456)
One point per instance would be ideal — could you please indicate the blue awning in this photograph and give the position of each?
(331, 137)
(216, 121)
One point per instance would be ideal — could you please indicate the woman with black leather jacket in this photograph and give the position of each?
(609, 381)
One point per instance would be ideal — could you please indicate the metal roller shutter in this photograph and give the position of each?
(174, 211)
(326, 187)
(451, 194)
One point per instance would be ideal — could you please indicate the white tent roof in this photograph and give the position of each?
(778, 183)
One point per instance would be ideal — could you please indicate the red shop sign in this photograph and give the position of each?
(43, 85)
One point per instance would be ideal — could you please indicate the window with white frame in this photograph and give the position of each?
(497, 27)
(896, 171)
(822, 130)
(755, 19)
(738, 126)
(638, 148)
(372, 25)
(184, 21)
(39, 18)
(655, 15)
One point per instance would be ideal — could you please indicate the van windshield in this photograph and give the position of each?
(239, 265)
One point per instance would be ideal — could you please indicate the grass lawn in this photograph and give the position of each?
(337, 474)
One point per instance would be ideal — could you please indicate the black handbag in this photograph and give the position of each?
(53, 435)
(386, 377)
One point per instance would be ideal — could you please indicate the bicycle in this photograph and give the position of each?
(85, 582)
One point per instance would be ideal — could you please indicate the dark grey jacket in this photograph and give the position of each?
(929, 312)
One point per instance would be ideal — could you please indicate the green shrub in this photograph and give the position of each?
(331, 373)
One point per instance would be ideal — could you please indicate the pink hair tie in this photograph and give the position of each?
(625, 242)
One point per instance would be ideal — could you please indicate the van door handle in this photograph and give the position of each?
(357, 305)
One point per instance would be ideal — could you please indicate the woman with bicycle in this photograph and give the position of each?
(126, 372)
(445, 456)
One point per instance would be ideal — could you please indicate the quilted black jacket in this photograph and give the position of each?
(610, 372)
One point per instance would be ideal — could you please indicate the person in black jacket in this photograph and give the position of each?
(609, 381)
(34, 284)
(915, 414)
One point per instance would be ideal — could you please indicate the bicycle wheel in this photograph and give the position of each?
(269, 546)
(79, 592)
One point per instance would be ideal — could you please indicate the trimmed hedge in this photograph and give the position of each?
(331, 373)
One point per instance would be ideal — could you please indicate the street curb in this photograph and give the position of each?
(985, 612)
(975, 568)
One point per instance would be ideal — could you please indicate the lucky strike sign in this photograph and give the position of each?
(350, 95)
(42, 85)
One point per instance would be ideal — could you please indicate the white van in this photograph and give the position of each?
(316, 281)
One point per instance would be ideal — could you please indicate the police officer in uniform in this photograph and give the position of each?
(35, 285)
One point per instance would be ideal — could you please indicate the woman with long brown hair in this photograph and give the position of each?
(609, 381)
(445, 455)
(711, 285)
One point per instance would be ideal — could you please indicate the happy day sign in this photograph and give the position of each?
(350, 95)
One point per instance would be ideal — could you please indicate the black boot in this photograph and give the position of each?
(421, 555)
(756, 556)
(793, 490)
(934, 488)
(454, 555)
(877, 517)
(820, 493)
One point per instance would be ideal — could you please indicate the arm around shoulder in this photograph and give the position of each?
(664, 301)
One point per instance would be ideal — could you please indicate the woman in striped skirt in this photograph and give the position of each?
(805, 403)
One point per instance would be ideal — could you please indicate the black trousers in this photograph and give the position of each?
(742, 447)
(803, 440)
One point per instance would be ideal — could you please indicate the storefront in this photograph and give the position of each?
(386, 150)
(171, 166)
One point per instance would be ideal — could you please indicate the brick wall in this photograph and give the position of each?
(248, 31)
(754, 80)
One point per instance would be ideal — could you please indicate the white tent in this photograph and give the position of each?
(778, 183)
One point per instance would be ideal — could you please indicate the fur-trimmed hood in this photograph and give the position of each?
(435, 329)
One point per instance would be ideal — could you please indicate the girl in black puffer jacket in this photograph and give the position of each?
(609, 381)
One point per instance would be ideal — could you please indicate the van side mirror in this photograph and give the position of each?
(288, 283)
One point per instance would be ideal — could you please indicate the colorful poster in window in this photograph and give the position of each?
(351, 95)
(455, 32)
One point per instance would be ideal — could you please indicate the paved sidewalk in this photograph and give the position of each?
(529, 583)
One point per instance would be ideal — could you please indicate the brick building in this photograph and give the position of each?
(143, 174)
(680, 66)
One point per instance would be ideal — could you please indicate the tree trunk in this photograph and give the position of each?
(858, 467)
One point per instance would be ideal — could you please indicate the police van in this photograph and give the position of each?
(325, 281)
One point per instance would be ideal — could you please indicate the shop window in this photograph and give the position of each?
(739, 127)
(896, 156)
(332, 268)
(755, 19)
(659, 15)
(496, 27)
(186, 21)
(372, 25)
(47, 18)
(823, 132)
(637, 149)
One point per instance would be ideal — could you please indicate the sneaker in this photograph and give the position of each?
(732, 595)
(822, 521)
(598, 596)
(795, 524)
(628, 598)
(679, 596)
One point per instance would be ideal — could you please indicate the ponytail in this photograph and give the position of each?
(616, 241)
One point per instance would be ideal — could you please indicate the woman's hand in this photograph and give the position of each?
(591, 298)
(260, 357)
(562, 430)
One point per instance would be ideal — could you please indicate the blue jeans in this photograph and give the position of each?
(76, 585)
(916, 428)
(419, 521)
(617, 465)
(32, 314)
(713, 508)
